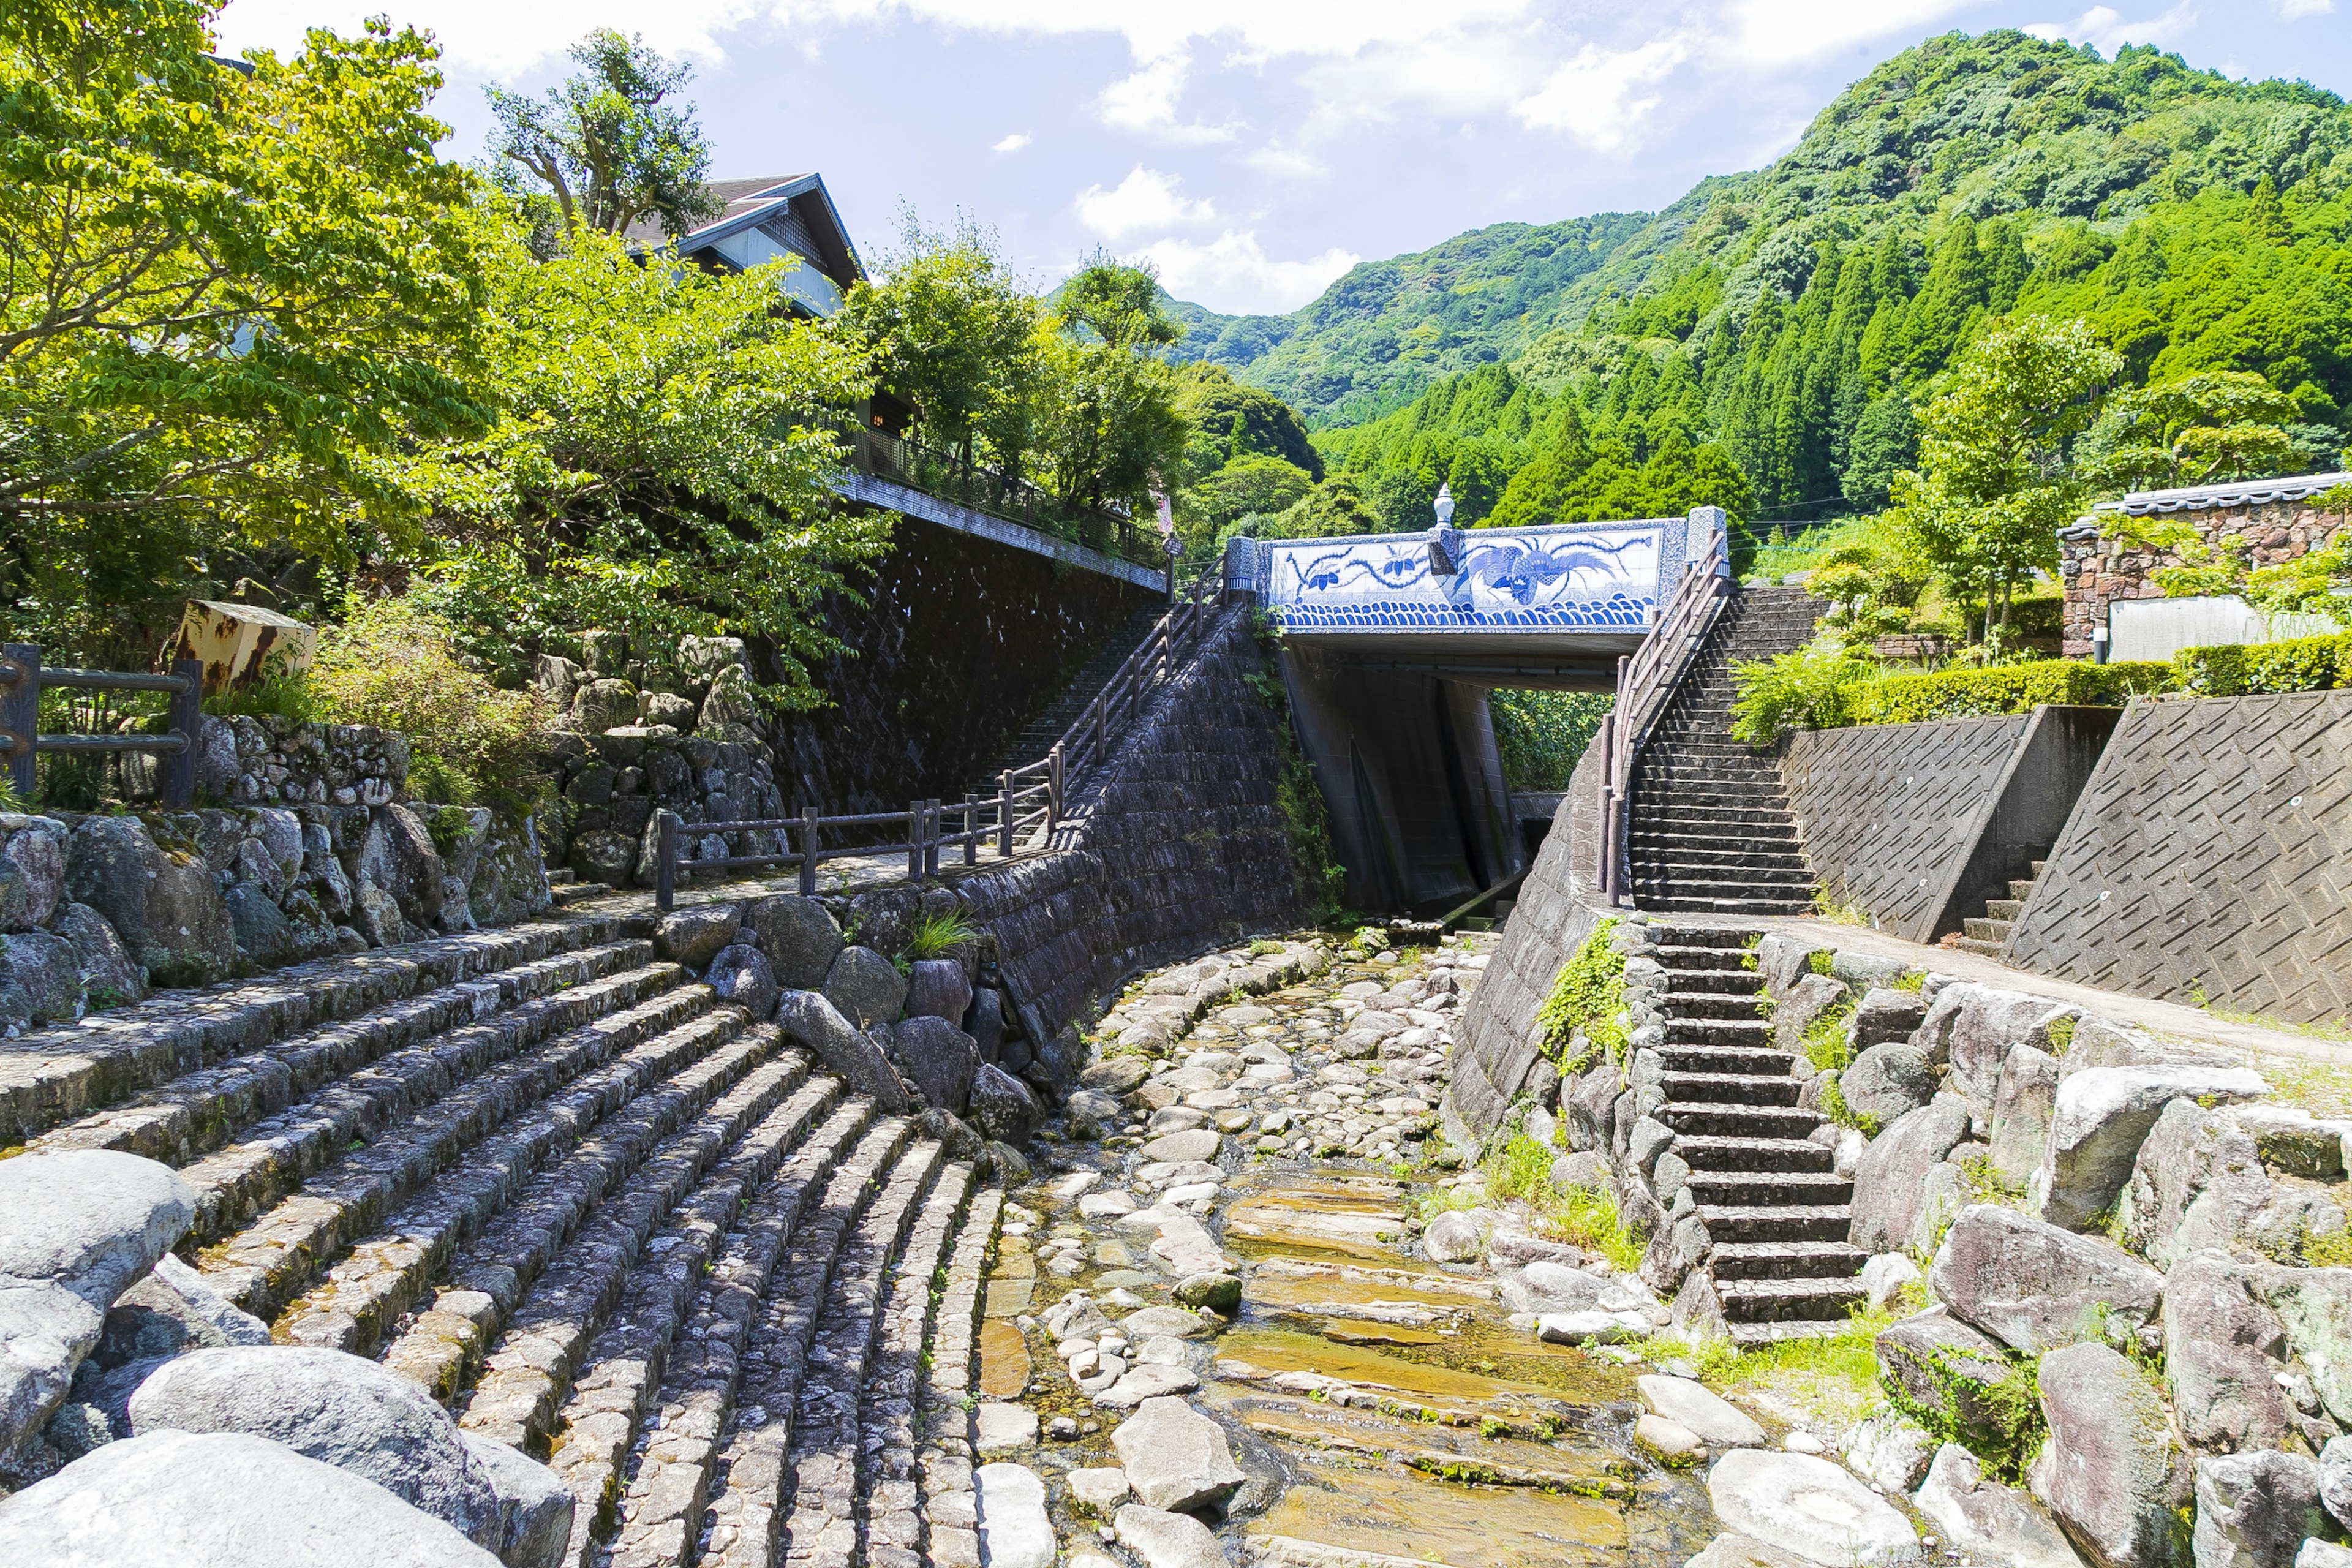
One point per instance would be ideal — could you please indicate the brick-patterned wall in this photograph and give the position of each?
(2212, 848)
(1176, 845)
(2098, 566)
(1887, 814)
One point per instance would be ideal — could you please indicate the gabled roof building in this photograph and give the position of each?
(781, 215)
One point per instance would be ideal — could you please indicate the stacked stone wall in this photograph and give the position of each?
(2098, 565)
(1178, 843)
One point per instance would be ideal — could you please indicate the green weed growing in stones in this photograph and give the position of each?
(1825, 1043)
(1521, 1168)
(2004, 1427)
(1588, 995)
(1820, 961)
(1911, 980)
(937, 936)
(2061, 1035)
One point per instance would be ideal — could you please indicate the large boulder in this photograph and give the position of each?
(740, 974)
(2314, 1307)
(508, 881)
(799, 937)
(1714, 1420)
(174, 1309)
(1810, 1507)
(601, 855)
(1785, 959)
(2109, 1468)
(89, 1221)
(2336, 1480)
(1807, 1000)
(1175, 1458)
(883, 918)
(1014, 1532)
(339, 1409)
(2223, 1352)
(1974, 1028)
(1890, 1181)
(810, 1018)
(937, 988)
(1165, 1540)
(535, 1506)
(692, 937)
(221, 1499)
(1887, 1082)
(2255, 1511)
(398, 856)
(1952, 1378)
(2023, 1103)
(32, 871)
(1006, 1111)
(108, 977)
(2197, 1184)
(2034, 1286)
(163, 904)
(40, 979)
(864, 987)
(1979, 1515)
(2101, 1116)
(939, 1058)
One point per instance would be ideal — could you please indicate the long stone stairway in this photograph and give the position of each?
(1049, 724)
(604, 1215)
(1710, 828)
(1774, 1208)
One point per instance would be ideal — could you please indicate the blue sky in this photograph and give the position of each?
(1256, 148)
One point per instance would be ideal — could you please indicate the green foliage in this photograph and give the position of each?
(229, 297)
(2240, 670)
(1832, 1102)
(2008, 1428)
(1520, 1168)
(2002, 689)
(1232, 420)
(1541, 734)
(1586, 995)
(1808, 689)
(603, 146)
(2216, 424)
(1825, 1044)
(940, 936)
(1322, 881)
(1822, 961)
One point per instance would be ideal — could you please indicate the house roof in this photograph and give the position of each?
(2237, 493)
(752, 202)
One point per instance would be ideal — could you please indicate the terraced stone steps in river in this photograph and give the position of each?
(1776, 1210)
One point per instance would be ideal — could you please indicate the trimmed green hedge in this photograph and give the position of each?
(2229, 670)
(2002, 688)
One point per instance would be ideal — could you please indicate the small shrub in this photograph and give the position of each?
(1825, 1041)
(1521, 1168)
(1822, 961)
(2004, 688)
(1587, 994)
(2242, 669)
(936, 936)
(1806, 690)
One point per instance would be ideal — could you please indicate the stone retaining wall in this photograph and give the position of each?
(2208, 853)
(1177, 844)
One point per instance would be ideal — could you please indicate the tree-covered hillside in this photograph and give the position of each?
(1789, 318)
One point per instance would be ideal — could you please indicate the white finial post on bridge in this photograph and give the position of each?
(1445, 538)
(1710, 537)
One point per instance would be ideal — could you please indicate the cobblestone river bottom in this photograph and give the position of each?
(1214, 1336)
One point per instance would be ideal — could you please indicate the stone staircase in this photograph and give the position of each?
(1710, 829)
(605, 1216)
(1047, 725)
(1989, 935)
(1775, 1211)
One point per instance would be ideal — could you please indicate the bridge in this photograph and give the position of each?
(1390, 642)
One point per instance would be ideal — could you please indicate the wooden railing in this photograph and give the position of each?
(983, 489)
(22, 681)
(1646, 680)
(1028, 804)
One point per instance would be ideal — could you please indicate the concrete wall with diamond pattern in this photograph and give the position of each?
(2212, 849)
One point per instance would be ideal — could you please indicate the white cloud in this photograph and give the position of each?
(2296, 10)
(1233, 272)
(1782, 32)
(1289, 163)
(2103, 28)
(1592, 95)
(1145, 199)
(1012, 144)
(1146, 101)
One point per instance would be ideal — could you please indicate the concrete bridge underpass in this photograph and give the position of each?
(1391, 642)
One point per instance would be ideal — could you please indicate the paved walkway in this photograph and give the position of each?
(2164, 1017)
(849, 874)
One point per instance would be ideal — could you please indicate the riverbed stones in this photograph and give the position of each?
(1717, 1422)
(1175, 1458)
(1199, 1143)
(1014, 1532)
(1734, 1550)
(2100, 1117)
(1979, 1515)
(1455, 1237)
(798, 935)
(1139, 1384)
(2255, 1511)
(1810, 1507)
(339, 1409)
(1891, 1451)
(2035, 1288)
(2108, 1467)
(1165, 1540)
(1101, 1488)
(1889, 1183)
(155, 1501)
(1002, 1428)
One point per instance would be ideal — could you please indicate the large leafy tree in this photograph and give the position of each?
(2214, 425)
(663, 466)
(605, 145)
(1995, 483)
(225, 292)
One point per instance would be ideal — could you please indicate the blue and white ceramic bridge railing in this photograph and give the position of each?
(1563, 581)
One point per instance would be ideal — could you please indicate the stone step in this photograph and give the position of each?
(1686, 849)
(579, 893)
(1779, 1300)
(198, 1112)
(1770, 1123)
(749, 1488)
(639, 1368)
(889, 1486)
(820, 1528)
(1753, 1336)
(494, 1190)
(263, 1265)
(1757, 1061)
(1694, 933)
(2040, 867)
(1983, 949)
(950, 1376)
(2019, 891)
(1730, 1088)
(2005, 911)
(1819, 1222)
(64, 1071)
(1712, 881)
(1770, 1189)
(1992, 932)
(1749, 1031)
(1676, 903)
(1681, 1003)
(1793, 1156)
(1739, 985)
(1687, 814)
(1824, 1259)
(1727, 964)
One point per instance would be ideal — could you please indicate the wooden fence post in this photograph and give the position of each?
(20, 715)
(176, 775)
(664, 859)
(808, 851)
(971, 828)
(914, 840)
(931, 837)
(1004, 814)
(1053, 795)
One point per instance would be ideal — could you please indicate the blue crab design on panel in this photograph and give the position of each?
(1532, 579)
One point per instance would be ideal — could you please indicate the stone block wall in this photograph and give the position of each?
(1178, 843)
(2098, 566)
(2208, 853)
(614, 783)
(283, 762)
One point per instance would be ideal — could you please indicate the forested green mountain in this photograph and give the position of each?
(1782, 323)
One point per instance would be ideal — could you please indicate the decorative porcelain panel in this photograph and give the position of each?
(1586, 577)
